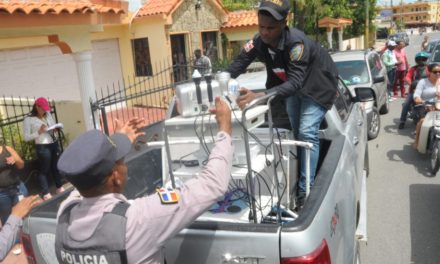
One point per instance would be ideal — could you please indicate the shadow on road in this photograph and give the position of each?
(408, 154)
(425, 227)
(409, 129)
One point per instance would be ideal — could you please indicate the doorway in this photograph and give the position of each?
(210, 45)
(180, 62)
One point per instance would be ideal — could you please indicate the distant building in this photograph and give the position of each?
(417, 14)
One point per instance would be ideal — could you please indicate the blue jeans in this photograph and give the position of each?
(391, 77)
(47, 159)
(9, 198)
(405, 107)
(305, 116)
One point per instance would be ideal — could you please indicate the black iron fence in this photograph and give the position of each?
(13, 110)
(145, 97)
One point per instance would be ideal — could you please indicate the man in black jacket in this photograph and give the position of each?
(298, 69)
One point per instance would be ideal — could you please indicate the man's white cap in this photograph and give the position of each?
(392, 43)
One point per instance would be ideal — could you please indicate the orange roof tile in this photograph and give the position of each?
(56, 7)
(241, 19)
(154, 7)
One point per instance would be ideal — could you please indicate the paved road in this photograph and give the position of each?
(403, 198)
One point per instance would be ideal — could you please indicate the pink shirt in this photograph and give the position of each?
(401, 56)
(149, 223)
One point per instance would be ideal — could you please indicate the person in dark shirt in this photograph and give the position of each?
(11, 187)
(299, 69)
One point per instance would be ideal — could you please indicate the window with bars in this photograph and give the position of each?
(142, 59)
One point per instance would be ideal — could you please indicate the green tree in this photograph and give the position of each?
(233, 5)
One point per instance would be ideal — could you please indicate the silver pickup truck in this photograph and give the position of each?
(257, 225)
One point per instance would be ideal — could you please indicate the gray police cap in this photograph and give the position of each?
(279, 9)
(90, 158)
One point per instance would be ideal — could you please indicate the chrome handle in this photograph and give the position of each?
(355, 140)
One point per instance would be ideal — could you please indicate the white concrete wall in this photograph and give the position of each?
(355, 43)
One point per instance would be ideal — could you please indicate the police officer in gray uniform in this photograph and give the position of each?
(97, 224)
(298, 69)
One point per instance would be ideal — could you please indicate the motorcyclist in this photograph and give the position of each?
(427, 90)
(415, 73)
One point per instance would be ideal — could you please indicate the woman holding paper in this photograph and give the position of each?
(40, 126)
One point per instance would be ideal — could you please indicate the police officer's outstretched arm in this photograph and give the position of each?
(196, 195)
(222, 115)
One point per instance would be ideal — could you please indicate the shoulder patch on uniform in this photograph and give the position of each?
(249, 45)
(167, 195)
(296, 52)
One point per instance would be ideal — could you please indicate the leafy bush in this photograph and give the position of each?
(220, 65)
(12, 136)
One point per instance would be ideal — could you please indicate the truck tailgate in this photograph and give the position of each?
(223, 243)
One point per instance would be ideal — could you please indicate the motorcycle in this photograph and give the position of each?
(416, 112)
(429, 138)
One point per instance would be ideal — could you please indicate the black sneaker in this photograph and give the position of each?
(300, 200)
(401, 125)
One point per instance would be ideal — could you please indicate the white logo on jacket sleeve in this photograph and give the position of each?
(296, 52)
(249, 45)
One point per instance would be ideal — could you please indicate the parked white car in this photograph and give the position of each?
(364, 68)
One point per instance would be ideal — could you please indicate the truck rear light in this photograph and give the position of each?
(321, 255)
(27, 246)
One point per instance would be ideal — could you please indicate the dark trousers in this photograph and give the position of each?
(391, 77)
(399, 81)
(9, 198)
(47, 159)
(405, 107)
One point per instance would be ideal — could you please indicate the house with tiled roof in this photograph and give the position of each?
(240, 27)
(173, 29)
(70, 50)
(57, 49)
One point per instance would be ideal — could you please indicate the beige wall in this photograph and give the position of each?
(154, 29)
(240, 34)
(76, 37)
(120, 32)
(70, 113)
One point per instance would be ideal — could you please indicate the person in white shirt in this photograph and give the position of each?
(427, 91)
(390, 61)
(202, 63)
(35, 129)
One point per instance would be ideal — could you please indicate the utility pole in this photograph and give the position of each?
(367, 23)
(436, 15)
(401, 14)
(392, 14)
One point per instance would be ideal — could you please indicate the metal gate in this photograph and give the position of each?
(143, 97)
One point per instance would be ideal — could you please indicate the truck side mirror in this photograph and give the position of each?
(379, 79)
(364, 94)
